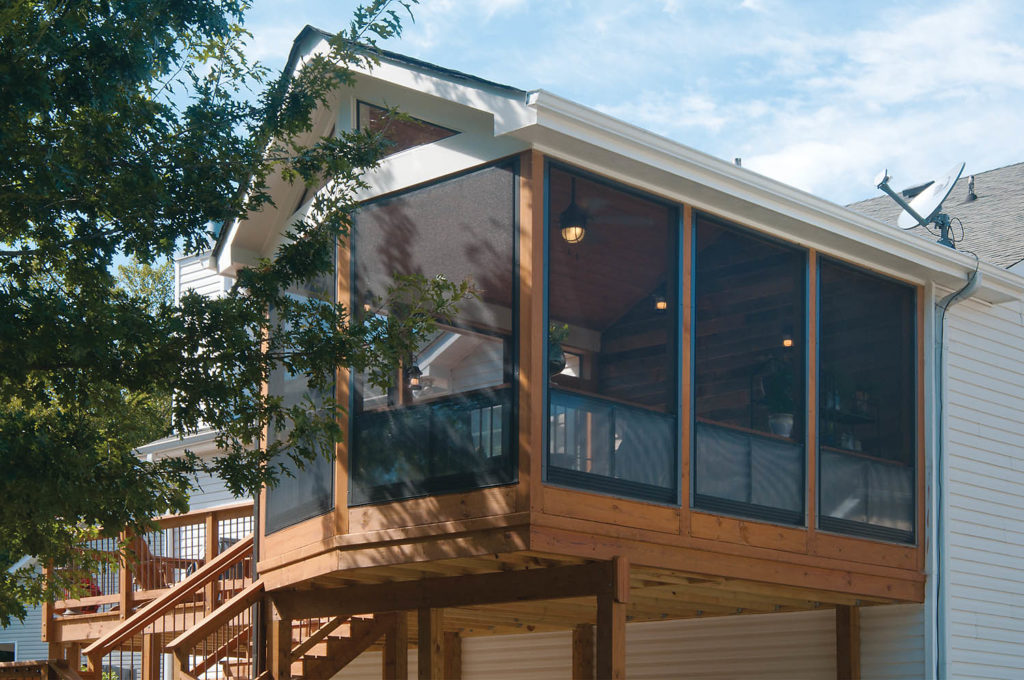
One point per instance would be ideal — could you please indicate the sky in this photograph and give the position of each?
(822, 94)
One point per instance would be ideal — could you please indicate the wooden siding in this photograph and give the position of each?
(892, 642)
(793, 646)
(985, 489)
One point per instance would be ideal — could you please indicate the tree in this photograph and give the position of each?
(128, 128)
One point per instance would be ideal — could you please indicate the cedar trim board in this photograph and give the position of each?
(380, 537)
(872, 557)
(897, 586)
(429, 548)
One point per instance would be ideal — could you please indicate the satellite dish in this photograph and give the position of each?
(926, 206)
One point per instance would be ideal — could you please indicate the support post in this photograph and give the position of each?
(452, 656)
(583, 652)
(430, 634)
(847, 643)
(151, 657)
(125, 579)
(396, 650)
(611, 623)
(279, 635)
(212, 544)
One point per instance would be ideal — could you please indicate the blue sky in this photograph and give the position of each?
(820, 94)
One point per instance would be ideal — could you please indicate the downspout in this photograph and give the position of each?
(939, 622)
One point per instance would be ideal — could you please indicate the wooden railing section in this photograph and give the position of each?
(158, 560)
(221, 637)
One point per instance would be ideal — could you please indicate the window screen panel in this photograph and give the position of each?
(309, 491)
(446, 424)
(867, 403)
(749, 373)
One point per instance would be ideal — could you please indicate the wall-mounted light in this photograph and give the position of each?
(787, 336)
(573, 221)
(660, 303)
(415, 374)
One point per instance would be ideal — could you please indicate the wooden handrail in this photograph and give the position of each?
(233, 511)
(181, 592)
(218, 617)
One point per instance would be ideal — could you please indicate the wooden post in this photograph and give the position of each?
(151, 650)
(611, 623)
(431, 660)
(125, 580)
(279, 637)
(452, 656)
(396, 650)
(94, 666)
(583, 652)
(179, 664)
(212, 545)
(847, 643)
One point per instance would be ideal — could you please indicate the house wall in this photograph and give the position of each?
(25, 637)
(787, 646)
(191, 273)
(985, 489)
(892, 642)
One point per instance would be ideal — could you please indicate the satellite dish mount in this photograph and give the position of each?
(926, 208)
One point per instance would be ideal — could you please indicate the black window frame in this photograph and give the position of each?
(583, 481)
(459, 483)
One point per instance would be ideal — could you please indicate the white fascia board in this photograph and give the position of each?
(202, 443)
(611, 147)
(509, 109)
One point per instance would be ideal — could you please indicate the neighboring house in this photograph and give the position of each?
(698, 424)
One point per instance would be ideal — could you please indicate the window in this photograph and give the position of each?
(447, 423)
(309, 491)
(867, 404)
(401, 133)
(613, 341)
(749, 368)
(7, 650)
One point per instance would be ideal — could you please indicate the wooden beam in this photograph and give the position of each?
(583, 652)
(212, 545)
(847, 643)
(452, 656)
(459, 591)
(395, 659)
(430, 633)
(611, 638)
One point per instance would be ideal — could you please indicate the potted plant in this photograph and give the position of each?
(556, 355)
(779, 397)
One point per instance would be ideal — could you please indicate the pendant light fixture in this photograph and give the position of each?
(573, 221)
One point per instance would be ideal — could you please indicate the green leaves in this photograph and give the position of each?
(127, 129)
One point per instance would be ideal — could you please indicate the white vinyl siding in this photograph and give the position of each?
(787, 646)
(190, 273)
(26, 636)
(985, 490)
(892, 642)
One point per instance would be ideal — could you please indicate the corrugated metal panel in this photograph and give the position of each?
(985, 523)
(892, 642)
(790, 646)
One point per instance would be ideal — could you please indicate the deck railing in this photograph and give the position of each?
(182, 548)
